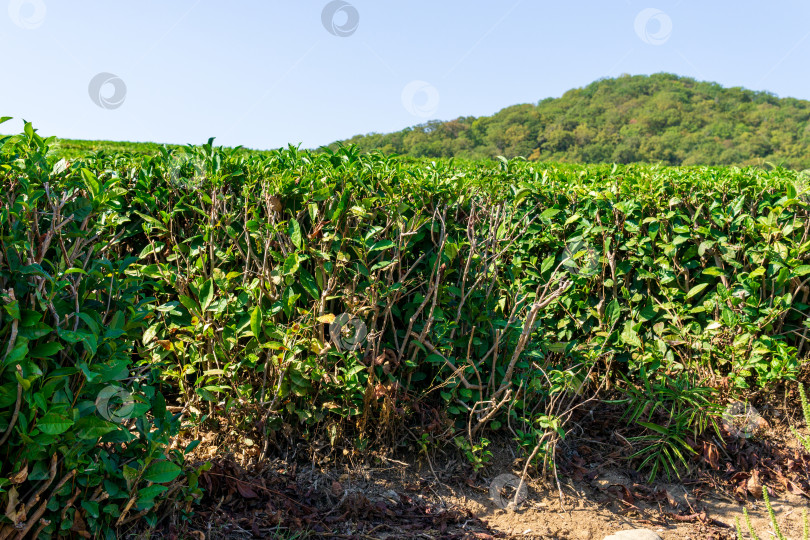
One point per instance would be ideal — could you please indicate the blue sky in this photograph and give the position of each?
(266, 73)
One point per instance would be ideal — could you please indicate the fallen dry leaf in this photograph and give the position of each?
(796, 490)
(671, 499)
(711, 455)
(754, 485)
(245, 490)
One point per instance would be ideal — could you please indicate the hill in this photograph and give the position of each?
(661, 118)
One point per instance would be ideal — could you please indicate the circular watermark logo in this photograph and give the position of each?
(185, 167)
(340, 18)
(27, 14)
(581, 259)
(115, 404)
(506, 491)
(107, 90)
(742, 420)
(653, 26)
(420, 98)
(347, 332)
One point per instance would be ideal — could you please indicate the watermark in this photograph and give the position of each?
(340, 18)
(100, 87)
(115, 404)
(420, 98)
(581, 259)
(185, 168)
(347, 332)
(742, 420)
(653, 26)
(27, 14)
(507, 491)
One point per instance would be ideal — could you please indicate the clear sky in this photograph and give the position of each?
(266, 73)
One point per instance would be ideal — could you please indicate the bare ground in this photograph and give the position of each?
(375, 502)
(355, 495)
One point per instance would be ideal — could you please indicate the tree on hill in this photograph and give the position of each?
(661, 118)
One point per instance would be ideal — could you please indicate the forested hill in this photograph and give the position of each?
(661, 118)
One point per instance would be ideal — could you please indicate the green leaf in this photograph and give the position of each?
(694, 291)
(521, 195)
(654, 427)
(93, 427)
(91, 324)
(758, 272)
(168, 307)
(713, 271)
(802, 270)
(612, 312)
(648, 313)
(90, 343)
(381, 265)
(91, 507)
(17, 354)
(290, 264)
(13, 309)
(159, 406)
(381, 245)
(308, 282)
(190, 304)
(54, 424)
(70, 336)
(191, 446)
(146, 495)
(35, 269)
(572, 219)
(256, 321)
(46, 350)
(630, 336)
(91, 182)
(150, 334)
(206, 294)
(295, 234)
(341, 206)
(35, 331)
(29, 318)
(546, 265)
(130, 475)
(206, 394)
(549, 213)
(161, 472)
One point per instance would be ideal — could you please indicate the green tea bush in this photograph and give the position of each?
(84, 428)
(482, 290)
(364, 294)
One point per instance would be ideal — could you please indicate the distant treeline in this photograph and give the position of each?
(662, 118)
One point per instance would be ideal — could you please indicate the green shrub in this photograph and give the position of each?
(359, 292)
(84, 428)
(483, 289)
